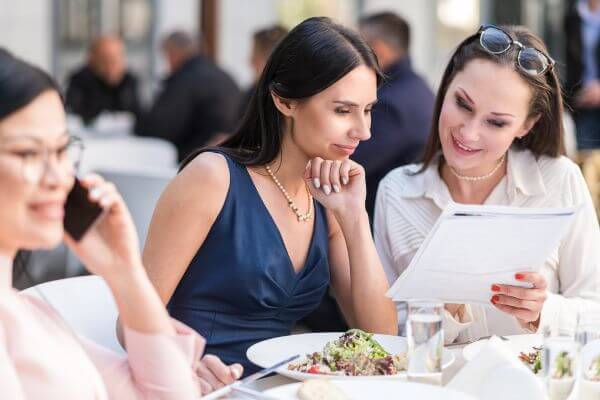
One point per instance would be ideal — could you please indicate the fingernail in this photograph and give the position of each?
(495, 288)
(307, 165)
(326, 189)
(344, 180)
(95, 193)
(495, 299)
(236, 371)
(336, 188)
(104, 201)
(519, 276)
(317, 182)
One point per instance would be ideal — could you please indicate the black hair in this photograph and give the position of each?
(20, 84)
(312, 57)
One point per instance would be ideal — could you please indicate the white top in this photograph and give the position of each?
(407, 207)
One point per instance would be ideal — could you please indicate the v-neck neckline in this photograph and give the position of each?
(280, 236)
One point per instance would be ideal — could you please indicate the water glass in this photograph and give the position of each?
(425, 341)
(588, 337)
(560, 360)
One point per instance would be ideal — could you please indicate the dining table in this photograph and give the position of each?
(272, 381)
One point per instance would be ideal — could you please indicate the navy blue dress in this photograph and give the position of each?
(241, 286)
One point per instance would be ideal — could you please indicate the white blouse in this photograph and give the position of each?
(408, 205)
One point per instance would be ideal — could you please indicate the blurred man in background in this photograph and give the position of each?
(198, 104)
(263, 43)
(582, 85)
(401, 118)
(104, 84)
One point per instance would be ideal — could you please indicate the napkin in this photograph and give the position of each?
(495, 373)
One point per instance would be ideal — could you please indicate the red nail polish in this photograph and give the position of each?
(519, 276)
(495, 299)
(495, 288)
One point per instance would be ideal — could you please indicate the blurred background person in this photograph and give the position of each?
(199, 101)
(401, 118)
(582, 28)
(263, 43)
(104, 84)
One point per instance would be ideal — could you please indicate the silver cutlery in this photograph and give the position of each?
(473, 341)
(237, 385)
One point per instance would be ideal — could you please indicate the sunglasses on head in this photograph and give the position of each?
(529, 59)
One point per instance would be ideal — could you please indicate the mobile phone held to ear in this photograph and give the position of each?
(80, 212)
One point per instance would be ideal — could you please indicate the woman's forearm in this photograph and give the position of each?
(140, 307)
(373, 311)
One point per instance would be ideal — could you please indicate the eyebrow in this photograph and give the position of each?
(464, 93)
(24, 136)
(351, 103)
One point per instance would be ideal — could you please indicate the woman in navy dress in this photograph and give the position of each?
(238, 247)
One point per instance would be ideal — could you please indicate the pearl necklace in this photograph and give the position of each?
(481, 177)
(301, 217)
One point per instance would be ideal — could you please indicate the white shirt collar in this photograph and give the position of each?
(523, 176)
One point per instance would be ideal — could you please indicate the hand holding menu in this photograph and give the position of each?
(471, 247)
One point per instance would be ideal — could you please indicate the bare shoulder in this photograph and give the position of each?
(203, 183)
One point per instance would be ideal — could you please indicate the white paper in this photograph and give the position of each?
(471, 247)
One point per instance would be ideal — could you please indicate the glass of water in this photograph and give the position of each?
(425, 338)
(588, 338)
(560, 364)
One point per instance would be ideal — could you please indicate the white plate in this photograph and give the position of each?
(517, 343)
(380, 389)
(269, 352)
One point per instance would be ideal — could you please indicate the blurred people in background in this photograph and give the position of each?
(199, 101)
(582, 86)
(104, 84)
(401, 118)
(263, 43)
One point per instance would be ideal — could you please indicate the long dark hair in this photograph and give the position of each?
(20, 84)
(313, 56)
(546, 136)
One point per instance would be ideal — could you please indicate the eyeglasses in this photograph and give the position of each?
(35, 157)
(529, 59)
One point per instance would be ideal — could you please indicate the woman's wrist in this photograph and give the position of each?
(126, 277)
(349, 218)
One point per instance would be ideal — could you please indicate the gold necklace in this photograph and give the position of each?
(301, 217)
(478, 178)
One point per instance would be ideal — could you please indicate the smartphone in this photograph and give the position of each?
(80, 212)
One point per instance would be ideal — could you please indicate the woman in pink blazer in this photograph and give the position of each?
(40, 358)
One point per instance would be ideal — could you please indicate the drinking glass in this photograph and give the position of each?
(425, 340)
(587, 335)
(560, 360)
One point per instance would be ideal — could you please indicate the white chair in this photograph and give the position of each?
(86, 305)
(140, 190)
(127, 153)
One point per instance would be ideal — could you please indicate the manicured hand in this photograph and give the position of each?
(339, 185)
(523, 303)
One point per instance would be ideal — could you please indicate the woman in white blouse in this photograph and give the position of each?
(497, 138)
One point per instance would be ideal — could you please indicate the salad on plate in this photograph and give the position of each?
(355, 353)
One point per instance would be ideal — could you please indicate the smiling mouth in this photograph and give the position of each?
(463, 147)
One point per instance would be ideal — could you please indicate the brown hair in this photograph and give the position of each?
(267, 39)
(546, 136)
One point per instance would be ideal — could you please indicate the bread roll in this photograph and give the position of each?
(320, 389)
